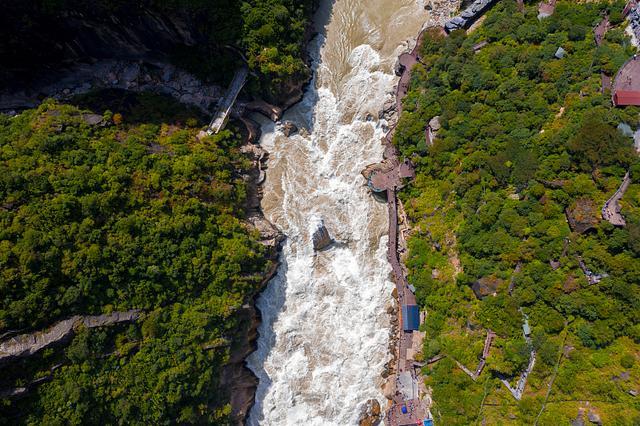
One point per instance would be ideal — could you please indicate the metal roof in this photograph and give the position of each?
(410, 317)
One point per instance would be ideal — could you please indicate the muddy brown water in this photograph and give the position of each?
(324, 338)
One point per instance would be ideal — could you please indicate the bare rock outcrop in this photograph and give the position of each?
(236, 378)
(594, 417)
(321, 238)
(582, 215)
(486, 286)
(26, 345)
(371, 413)
(240, 382)
(136, 76)
(264, 108)
(289, 128)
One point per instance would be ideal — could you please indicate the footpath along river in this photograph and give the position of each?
(324, 338)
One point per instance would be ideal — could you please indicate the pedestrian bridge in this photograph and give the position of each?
(224, 106)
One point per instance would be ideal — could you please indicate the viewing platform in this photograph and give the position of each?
(468, 16)
(626, 86)
(388, 175)
(411, 412)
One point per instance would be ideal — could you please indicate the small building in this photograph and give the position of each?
(410, 318)
(546, 9)
(560, 53)
(526, 330)
(468, 16)
(478, 46)
(625, 129)
(626, 97)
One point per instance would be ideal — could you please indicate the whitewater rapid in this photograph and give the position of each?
(324, 336)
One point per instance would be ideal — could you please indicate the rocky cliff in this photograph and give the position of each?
(37, 38)
(28, 344)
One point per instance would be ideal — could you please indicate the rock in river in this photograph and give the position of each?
(370, 414)
(321, 237)
(288, 128)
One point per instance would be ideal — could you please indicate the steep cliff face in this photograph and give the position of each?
(37, 39)
(210, 39)
(135, 36)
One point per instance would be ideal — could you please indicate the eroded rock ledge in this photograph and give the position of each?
(26, 345)
(238, 380)
(136, 76)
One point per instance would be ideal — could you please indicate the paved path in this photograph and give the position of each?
(390, 180)
(601, 30)
(611, 209)
(522, 382)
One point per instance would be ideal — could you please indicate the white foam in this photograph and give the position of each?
(325, 333)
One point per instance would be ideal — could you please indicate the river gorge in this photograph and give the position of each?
(326, 323)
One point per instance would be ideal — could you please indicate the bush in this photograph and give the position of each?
(627, 360)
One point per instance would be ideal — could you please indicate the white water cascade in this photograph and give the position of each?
(324, 339)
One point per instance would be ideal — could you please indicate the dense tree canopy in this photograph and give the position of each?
(527, 142)
(269, 33)
(102, 217)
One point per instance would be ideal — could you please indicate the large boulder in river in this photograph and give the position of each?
(371, 413)
(288, 128)
(321, 238)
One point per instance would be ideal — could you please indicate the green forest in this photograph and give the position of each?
(528, 142)
(107, 213)
(116, 201)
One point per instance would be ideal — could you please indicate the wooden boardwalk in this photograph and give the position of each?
(388, 176)
(601, 30)
(522, 381)
(483, 358)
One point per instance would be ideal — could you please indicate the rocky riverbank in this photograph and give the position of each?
(239, 381)
(135, 76)
(440, 11)
(163, 78)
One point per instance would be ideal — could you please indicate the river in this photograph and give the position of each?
(324, 339)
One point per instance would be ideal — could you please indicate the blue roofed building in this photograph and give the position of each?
(410, 317)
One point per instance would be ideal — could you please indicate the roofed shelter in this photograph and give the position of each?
(410, 317)
(624, 97)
